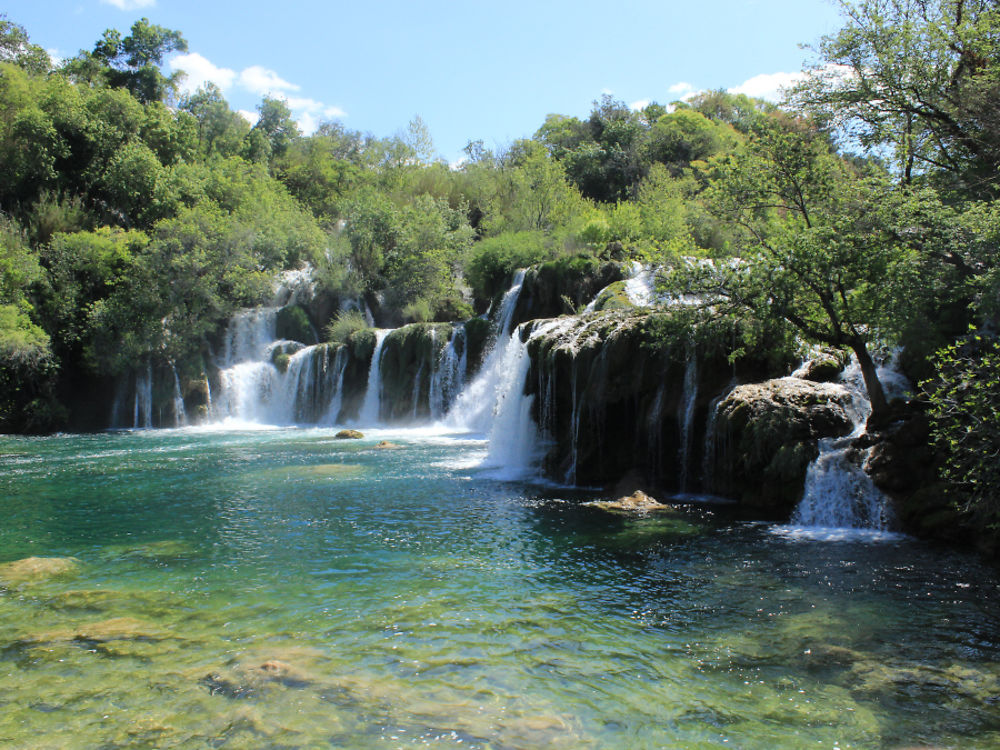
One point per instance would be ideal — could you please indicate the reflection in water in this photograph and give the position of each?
(280, 588)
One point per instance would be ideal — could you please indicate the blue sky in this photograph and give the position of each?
(489, 71)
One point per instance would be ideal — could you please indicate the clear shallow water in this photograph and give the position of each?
(281, 589)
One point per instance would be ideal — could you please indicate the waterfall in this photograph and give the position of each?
(337, 398)
(838, 492)
(474, 409)
(448, 376)
(180, 415)
(142, 411)
(685, 415)
(372, 404)
(640, 287)
(513, 436)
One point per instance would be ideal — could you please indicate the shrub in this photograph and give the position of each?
(344, 324)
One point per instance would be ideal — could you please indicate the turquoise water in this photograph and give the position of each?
(281, 589)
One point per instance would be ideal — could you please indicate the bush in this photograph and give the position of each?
(344, 324)
(493, 260)
(965, 399)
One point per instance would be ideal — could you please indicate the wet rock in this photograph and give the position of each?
(821, 369)
(637, 501)
(767, 435)
(349, 435)
(385, 445)
(37, 569)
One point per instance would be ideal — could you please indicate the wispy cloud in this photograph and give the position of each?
(639, 105)
(768, 86)
(260, 80)
(130, 4)
(200, 70)
(256, 79)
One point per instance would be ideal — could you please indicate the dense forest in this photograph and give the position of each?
(861, 215)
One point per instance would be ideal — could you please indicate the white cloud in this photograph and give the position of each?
(199, 71)
(260, 80)
(639, 105)
(130, 4)
(256, 79)
(56, 58)
(681, 89)
(767, 86)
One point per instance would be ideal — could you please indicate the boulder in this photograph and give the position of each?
(385, 445)
(637, 501)
(766, 435)
(349, 435)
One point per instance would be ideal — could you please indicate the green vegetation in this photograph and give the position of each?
(861, 214)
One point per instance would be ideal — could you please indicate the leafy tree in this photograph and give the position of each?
(16, 48)
(921, 77)
(276, 125)
(965, 398)
(133, 62)
(220, 130)
(813, 252)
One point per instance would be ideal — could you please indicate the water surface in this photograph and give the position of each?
(282, 589)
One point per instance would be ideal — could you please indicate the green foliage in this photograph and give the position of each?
(16, 48)
(492, 261)
(965, 398)
(293, 323)
(919, 79)
(344, 325)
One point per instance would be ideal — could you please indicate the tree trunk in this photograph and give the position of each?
(876, 394)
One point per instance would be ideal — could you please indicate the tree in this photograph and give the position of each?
(814, 250)
(921, 77)
(965, 397)
(16, 48)
(276, 125)
(132, 62)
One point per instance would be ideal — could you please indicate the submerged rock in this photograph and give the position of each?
(349, 435)
(766, 436)
(637, 501)
(37, 569)
(385, 445)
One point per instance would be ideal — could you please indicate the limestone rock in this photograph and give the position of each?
(766, 436)
(385, 445)
(349, 435)
(637, 501)
(37, 569)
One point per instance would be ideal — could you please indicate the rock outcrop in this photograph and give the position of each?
(766, 435)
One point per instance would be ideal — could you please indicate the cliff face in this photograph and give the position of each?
(631, 391)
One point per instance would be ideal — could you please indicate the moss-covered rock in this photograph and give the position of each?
(632, 390)
(563, 286)
(37, 569)
(349, 435)
(409, 356)
(293, 323)
(766, 435)
(613, 297)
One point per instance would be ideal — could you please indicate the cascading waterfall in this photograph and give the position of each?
(838, 492)
(180, 415)
(689, 398)
(142, 409)
(475, 408)
(371, 407)
(337, 398)
(254, 390)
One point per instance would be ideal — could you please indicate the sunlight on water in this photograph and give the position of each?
(281, 588)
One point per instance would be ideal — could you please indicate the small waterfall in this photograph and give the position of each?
(180, 415)
(372, 405)
(685, 415)
(513, 436)
(337, 398)
(449, 373)
(474, 409)
(142, 410)
(416, 385)
(838, 492)
(640, 287)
